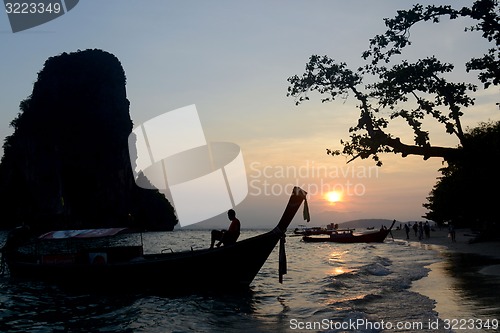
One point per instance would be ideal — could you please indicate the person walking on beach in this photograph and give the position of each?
(415, 228)
(451, 230)
(407, 230)
(427, 229)
(420, 231)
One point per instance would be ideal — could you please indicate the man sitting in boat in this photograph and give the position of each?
(229, 236)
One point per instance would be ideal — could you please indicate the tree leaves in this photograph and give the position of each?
(411, 91)
(462, 194)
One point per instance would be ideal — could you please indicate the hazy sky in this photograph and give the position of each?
(232, 59)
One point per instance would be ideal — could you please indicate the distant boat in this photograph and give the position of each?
(350, 237)
(311, 231)
(126, 268)
(308, 231)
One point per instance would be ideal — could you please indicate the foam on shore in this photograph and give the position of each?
(464, 283)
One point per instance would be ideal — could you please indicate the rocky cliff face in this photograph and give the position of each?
(67, 164)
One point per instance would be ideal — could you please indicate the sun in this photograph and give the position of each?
(333, 196)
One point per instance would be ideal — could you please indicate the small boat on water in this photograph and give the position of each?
(127, 268)
(350, 237)
(309, 231)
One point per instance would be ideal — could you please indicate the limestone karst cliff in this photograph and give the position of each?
(67, 163)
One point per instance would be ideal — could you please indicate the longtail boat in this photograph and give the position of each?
(350, 237)
(225, 268)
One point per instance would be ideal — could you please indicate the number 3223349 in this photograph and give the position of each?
(32, 8)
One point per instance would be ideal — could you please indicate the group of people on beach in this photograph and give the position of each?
(419, 228)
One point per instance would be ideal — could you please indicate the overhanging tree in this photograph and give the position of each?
(424, 82)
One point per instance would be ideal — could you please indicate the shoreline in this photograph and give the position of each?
(449, 283)
(440, 242)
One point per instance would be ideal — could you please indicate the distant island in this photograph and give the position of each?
(67, 164)
(368, 223)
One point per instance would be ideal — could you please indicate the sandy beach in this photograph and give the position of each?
(440, 242)
(464, 281)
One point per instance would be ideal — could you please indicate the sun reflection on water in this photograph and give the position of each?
(337, 260)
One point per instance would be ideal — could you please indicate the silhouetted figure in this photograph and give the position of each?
(420, 231)
(415, 229)
(427, 229)
(407, 230)
(229, 236)
(452, 233)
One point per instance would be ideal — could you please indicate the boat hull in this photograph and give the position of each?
(228, 267)
(375, 237)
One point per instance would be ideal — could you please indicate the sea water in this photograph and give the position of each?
(329, 288)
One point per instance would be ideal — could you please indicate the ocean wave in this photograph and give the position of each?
(376, 269)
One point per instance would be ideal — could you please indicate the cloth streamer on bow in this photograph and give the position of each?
(305, 213)
(282, 259)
